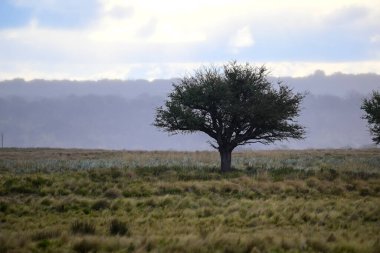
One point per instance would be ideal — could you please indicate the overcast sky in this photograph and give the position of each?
(128, 39)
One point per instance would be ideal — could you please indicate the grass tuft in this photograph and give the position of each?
(82, 227)
(45, 234)
(112, 193)
(100, 205)
(118, 227)
(85, 246)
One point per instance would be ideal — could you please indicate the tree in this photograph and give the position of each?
(371, 106)
(235, 105)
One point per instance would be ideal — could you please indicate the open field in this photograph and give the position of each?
(59, 200)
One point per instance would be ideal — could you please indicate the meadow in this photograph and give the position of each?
(73, 200)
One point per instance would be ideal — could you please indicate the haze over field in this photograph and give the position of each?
(118, 114)
(110, 48)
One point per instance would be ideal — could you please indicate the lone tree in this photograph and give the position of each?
(234, 105)
(371, 106)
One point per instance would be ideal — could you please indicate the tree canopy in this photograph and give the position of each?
(235, 105)
(371, 106)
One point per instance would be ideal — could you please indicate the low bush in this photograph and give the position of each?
(85, 246)
(45, 234)
(112, 193)
(44, 244)
(118, 227)
(82, 227)
(3, 206)
(100, 205)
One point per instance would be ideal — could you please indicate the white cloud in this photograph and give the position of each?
(242, 38)
(162, 39)
(152, 71)
(170, 20)
(299, 69)
(375, 39)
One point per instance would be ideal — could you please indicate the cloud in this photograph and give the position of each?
(148, 29)
(348, 14)
(242, 39)
(161, 37)
(375, 39)
(123, 71)
(121, 13)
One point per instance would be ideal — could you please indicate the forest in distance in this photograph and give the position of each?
(116, 114)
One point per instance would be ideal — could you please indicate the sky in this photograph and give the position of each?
(148, 39)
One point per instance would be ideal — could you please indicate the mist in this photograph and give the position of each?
(116, 114)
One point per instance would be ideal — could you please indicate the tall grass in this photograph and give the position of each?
(274, 201)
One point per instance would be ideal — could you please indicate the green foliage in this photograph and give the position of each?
(371, 106)
(235, 106)
(239, 100)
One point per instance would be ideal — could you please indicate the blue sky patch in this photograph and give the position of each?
(64, 14)
(13, 16)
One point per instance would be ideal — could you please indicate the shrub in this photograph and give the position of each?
(112, 193)
(116, 173)
(23, 189)
(46, 202)
(3, 206)
(364, 192)
(3, 245)
(86, 210)
(39, 181)
(82, 227)
(317, 245)
(329, 174)
(168, 189)
(331, 238)
(344, 249)
(44, 244)
(118, 228)
(45, 234)
(85, 246)
(282, 173)
(312, 182)
(100, 204)
(131, 247)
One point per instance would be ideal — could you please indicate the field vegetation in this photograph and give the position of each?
(60, 200)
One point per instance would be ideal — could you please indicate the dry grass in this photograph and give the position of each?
(277, 201)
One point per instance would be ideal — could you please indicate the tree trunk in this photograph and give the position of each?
(225, 160)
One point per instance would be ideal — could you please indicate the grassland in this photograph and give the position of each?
(57, 200)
